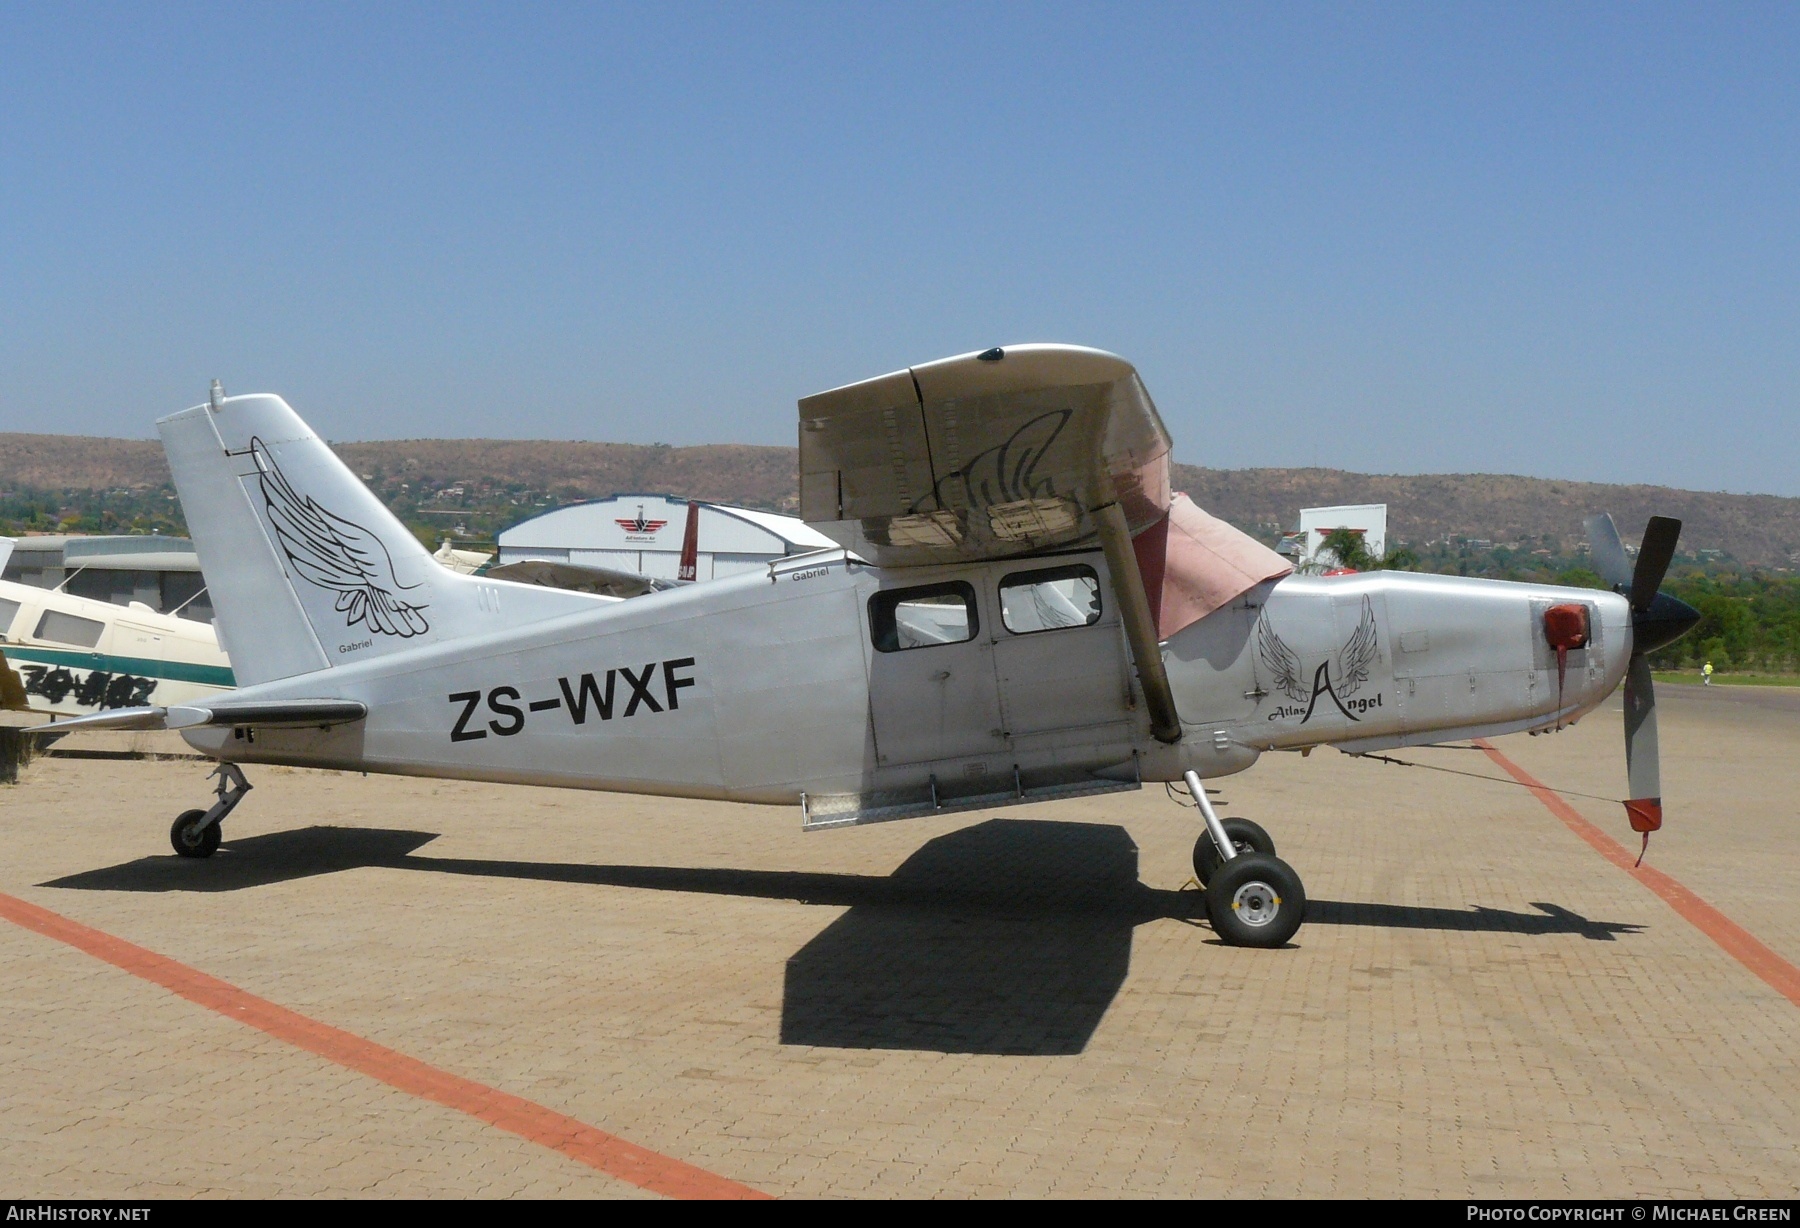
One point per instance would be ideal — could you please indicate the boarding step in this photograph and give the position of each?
(823, 810)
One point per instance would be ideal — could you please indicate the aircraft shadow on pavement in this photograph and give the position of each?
(1550, 919)
(1007, 937)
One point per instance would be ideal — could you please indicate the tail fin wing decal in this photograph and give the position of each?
(338, 554)
(307, 568)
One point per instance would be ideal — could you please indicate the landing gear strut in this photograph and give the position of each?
(1253, 898)
(196, 832)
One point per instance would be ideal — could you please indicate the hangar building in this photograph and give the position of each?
(643, 533)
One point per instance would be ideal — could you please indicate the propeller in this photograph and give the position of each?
(1656, 619)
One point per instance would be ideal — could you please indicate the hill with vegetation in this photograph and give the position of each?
(1736, 564)
(505, 480)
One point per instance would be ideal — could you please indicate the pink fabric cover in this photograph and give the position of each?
(1194, 563)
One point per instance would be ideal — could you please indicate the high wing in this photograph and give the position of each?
(983, 455)
(1357, 655)
(336, 554)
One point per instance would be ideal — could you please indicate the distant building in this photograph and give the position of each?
(1303, 543)
(643, 533)
(160, 572)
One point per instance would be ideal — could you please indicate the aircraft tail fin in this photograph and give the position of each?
(307, 569)
(690, 544)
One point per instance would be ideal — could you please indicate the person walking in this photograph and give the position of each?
(1706, 674)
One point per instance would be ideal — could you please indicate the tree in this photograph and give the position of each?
(1346, 546)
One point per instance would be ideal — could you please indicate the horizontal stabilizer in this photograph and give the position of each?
(269, 714)
(117, 718)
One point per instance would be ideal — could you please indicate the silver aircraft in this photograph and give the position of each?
(1021, 611)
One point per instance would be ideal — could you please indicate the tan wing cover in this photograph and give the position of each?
(982, 455)
(1193, 563)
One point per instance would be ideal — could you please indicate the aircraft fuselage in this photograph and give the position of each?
(870, 693)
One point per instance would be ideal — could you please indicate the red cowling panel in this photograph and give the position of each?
(1566, 626)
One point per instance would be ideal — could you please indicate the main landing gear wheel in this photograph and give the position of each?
(1245, 836)
(193, 836)
(1255, 900)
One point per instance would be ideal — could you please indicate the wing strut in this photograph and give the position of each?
(1140, 625)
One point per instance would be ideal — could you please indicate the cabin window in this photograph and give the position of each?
(8, 611)
(923, 617)
(1050, 599)
(60, 628)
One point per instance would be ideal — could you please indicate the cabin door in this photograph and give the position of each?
(931, 680)
(1059, 654)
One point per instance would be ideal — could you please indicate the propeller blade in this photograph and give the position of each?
(1654, 555)
(1608, 552)
(1643, 769)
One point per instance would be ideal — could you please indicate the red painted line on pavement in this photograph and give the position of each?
(610, 1154)
(1736, 941)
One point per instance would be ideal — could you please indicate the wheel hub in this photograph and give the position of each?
(1256, 904)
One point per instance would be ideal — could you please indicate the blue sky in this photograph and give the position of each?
(1548, 239)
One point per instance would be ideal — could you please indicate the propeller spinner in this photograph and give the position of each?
(1656, 619)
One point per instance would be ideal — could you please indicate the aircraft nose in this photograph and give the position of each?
(1666, 620)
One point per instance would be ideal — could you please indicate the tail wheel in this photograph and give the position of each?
(1245, 837)
(193, 836)
(1255, 900)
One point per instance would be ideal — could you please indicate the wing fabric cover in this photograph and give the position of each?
(973, 457)
(1193, 564)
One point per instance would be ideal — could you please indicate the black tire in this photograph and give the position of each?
(1255, 900)
(1245, 837)
(188, 837)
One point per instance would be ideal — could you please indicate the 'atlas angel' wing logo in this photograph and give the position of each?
(337, 554)
(1341, 678)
